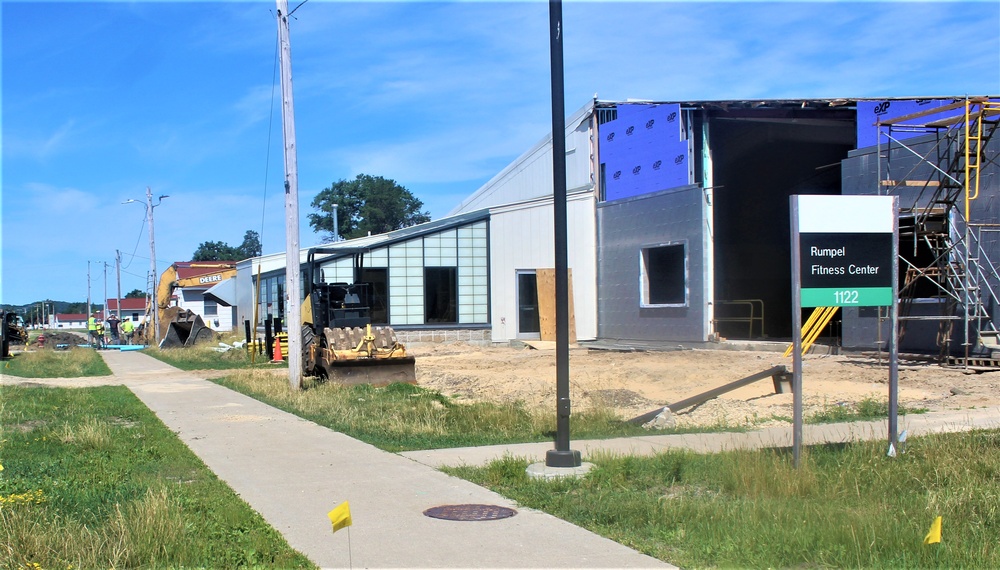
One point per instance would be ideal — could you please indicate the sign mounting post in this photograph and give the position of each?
(844, 254)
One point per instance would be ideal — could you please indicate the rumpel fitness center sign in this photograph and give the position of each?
(845, 250)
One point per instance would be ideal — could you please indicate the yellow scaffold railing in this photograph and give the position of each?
(976, 111)
(814, 325)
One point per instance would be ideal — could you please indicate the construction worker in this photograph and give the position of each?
(128, 329)
(113, 327)
(95, 335)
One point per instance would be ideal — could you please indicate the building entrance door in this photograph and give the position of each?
(527, 305)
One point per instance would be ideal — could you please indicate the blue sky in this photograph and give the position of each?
(102, 99)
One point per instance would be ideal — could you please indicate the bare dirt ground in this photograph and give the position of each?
(632, 383)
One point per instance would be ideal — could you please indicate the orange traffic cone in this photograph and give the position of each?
(278, 357)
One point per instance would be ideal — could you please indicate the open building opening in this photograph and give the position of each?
(757, 164)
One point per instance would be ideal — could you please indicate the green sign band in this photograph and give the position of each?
(847, 297)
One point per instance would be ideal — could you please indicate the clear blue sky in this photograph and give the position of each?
(101, 100)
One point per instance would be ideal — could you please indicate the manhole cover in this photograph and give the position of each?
(469, 512)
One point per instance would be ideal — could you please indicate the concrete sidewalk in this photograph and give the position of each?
(812, 434)
(293, 472)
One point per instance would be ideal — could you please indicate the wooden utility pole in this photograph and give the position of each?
(105, 315)
(152, 268)
(293, 317)
(118, 278)
(89, 310)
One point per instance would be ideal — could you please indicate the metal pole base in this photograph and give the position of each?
(557, 458)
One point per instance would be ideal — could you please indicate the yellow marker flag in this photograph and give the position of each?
(340, 516)
(934, 534)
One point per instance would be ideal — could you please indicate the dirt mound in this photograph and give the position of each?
(60, 340)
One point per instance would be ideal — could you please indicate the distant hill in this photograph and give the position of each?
(53, 306)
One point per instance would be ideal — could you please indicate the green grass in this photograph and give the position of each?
(73, 363)
(403, 417)
(847, 506)
(92, 479)
(204, 358)
(869, 408)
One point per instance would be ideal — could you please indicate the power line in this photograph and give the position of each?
(131, 257)
(270, 130)
(296, 8)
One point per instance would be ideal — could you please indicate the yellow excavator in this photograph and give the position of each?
(181, 327)
(338, 340)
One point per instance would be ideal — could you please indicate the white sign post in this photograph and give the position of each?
(844, 254)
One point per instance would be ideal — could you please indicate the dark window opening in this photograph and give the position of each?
(211, 308)
(440, 295)
(664, 275)
(378, 278)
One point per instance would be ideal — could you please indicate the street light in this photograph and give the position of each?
(152, 258)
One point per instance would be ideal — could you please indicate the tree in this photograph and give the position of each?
(366, 204)
(222, 251)
(214, 251)
(250, 246)
(135, 294)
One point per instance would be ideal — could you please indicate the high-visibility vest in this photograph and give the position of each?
(92, 324)
(127, 326)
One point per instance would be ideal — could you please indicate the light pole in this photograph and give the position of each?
(152, 259)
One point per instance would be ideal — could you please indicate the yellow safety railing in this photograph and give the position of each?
(976, 112)
(814, 325)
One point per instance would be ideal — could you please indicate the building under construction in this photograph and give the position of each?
(679, 227)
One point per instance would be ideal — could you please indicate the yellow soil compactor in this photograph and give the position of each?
(338, 340)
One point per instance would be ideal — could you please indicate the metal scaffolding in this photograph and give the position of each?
(946, 240)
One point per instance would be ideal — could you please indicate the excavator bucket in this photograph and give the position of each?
(185, 328)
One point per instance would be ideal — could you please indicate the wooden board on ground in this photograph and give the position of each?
(546, 285)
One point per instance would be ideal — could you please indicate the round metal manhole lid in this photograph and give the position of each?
(470, 512)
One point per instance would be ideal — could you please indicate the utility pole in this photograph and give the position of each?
(152, 266)
(118, 278)
(89, 310)
(105, 314)
(154, 306)
(293, 319)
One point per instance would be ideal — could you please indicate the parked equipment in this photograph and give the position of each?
(338, 339)
(12, 331)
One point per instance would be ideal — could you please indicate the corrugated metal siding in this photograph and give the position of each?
(521, 237)
(625, 228)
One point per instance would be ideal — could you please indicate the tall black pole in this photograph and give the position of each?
(562, 455)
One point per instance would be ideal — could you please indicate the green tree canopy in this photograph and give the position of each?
(222, 251)
(251, 245)
(365, 204)
(214, 251)
(135, 294)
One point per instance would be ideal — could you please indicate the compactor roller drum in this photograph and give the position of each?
(338, 340)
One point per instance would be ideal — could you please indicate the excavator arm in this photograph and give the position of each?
(214, 272)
